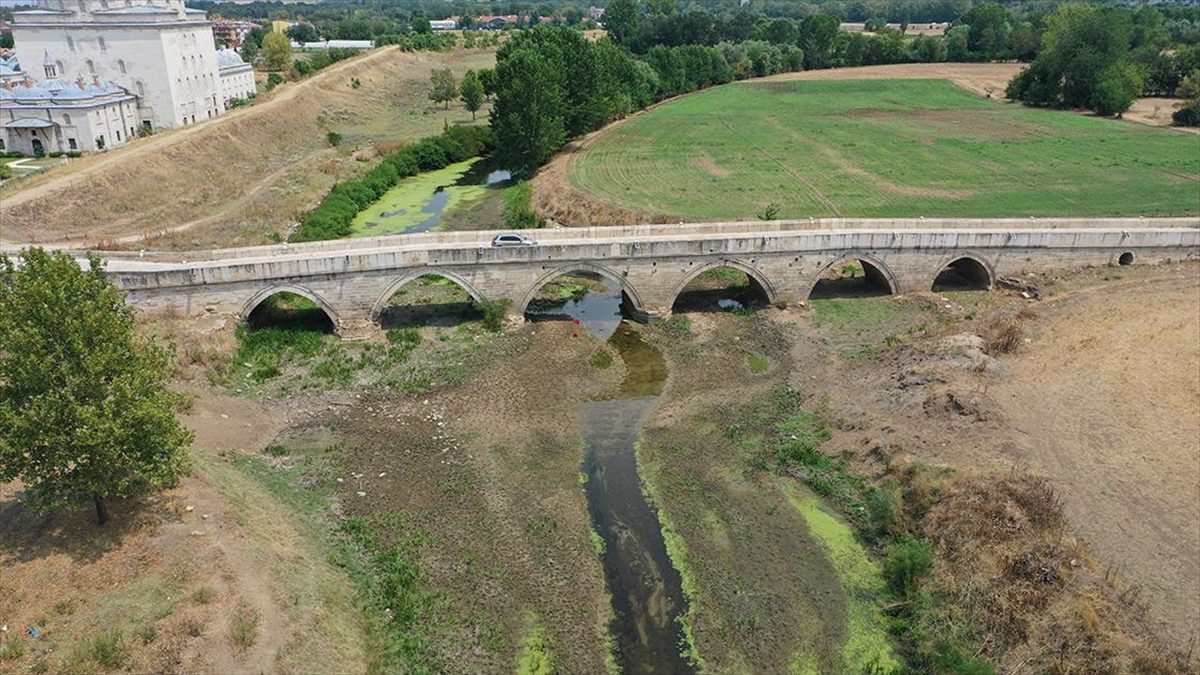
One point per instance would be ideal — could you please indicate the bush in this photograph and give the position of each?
(907, 561)
(406, 336)
(274, 80)
(334, 138)
(493, 313)
(6, 172)
(518, 209)
(1003, 336)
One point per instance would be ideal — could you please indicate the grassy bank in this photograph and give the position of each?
(882, 148)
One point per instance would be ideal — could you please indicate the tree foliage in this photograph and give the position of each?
(85, 413)
(471, 92)
(1083, 62)
(442, 88)
(276, 51)
(528, 115)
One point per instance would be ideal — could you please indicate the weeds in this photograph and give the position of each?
(493, 313)
(109, 649)
(908, 559)
(601, 360)
(1003, 336)
(243, 630)
(11, 650)
(204, 595)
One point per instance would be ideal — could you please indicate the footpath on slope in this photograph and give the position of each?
(236, 178)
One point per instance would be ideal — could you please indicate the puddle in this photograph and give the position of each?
(646, 588)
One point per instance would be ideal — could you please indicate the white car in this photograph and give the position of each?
(512, 240)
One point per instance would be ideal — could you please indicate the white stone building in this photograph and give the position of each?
(51, 116)
(236, 76)
(158, 50)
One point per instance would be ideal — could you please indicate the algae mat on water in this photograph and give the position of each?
(416, 204)
(883, 148)
(866, 643)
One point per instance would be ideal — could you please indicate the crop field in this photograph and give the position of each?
(882, 148)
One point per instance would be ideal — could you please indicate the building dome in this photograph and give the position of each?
(227, 58)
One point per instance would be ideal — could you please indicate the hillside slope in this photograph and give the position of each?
(235, 179)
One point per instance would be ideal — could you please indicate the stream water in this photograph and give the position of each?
(418, 204)
(646, 588)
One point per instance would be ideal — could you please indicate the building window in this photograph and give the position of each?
(51, 72)
(100, 40)
(66, 120)
(61, 68)
(70, 42)
(141, 89)
(1, 143)
(121, 65)
(91, 67)
(118, 136)
(72, 144)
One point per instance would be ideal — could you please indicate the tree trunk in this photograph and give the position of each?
(101, 510)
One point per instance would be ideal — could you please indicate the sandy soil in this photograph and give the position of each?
(238, 177)
(179, 567)
(1103, 398)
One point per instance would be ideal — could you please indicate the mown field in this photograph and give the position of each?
(882, 148)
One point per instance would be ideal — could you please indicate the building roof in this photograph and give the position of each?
(227, 58)
(60, 92)
(28, 123)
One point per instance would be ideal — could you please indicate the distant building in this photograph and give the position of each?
(232, 33)
(594, 13)
(335, 44)
(10, 69)
(444, 24)
(52, 115)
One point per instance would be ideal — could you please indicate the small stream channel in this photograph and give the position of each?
(646, 588)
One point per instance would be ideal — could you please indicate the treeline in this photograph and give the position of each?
(332, 217)
(552, 84)
(1102, 59)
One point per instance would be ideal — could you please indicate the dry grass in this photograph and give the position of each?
(1007, 561)
(235, 179)
(1003, 335)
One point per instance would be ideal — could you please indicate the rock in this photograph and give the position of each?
(189, 509)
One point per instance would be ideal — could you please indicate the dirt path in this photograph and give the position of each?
(1115, 373)
(66, 177)
(242, 176)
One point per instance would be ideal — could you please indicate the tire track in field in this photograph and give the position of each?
(816, 191)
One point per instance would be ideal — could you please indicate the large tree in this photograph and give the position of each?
(620, 19)
(442, 88)
(528, 115)
(85, 413)
(276, 51)
(1080, 47)
(471, 92)
(988, 36)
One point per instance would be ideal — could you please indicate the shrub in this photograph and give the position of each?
(907, 561)
(109, 650)
(1003, 336)
(6, 172)
(518, 209)
(274, 80)
(334, 138)
(406, 336)
(493, 313)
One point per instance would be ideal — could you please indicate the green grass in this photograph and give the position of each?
(884, 148)
(404, 202)
(536, 657)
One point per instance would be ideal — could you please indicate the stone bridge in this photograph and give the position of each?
(353, 280)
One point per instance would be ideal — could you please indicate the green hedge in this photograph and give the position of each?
(332, 217)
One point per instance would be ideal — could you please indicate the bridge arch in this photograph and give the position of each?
(963, 270)
(384, 298)
(618, 279)
(756, 276)
(874, 269)
(258, 298)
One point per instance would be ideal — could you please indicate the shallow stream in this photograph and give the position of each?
(646, 588)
